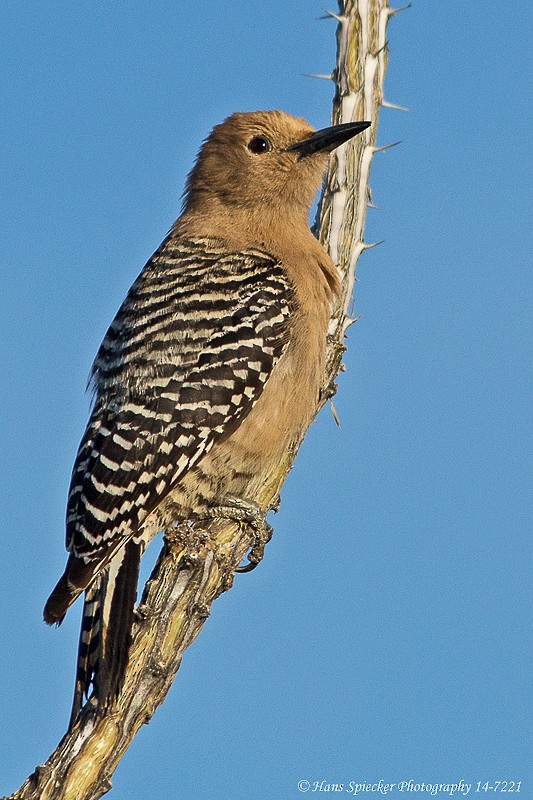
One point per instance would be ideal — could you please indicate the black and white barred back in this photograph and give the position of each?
(181, 366)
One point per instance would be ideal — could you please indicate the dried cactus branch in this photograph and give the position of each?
(197, 565)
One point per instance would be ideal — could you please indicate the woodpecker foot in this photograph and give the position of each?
(237, 509)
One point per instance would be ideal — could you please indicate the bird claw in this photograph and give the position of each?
(237, 509)
(261, 539)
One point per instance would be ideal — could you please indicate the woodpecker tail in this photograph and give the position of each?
(106, 630)
(78, 575)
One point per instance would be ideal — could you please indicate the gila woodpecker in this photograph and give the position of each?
(209, 372)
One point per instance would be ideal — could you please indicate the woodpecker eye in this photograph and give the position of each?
(258, 145)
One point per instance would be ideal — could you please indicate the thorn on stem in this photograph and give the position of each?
(329, 14)
(386, 147)
(349, 322)
(393, 11)
(386, 104)
(316, 75)
(335, 415)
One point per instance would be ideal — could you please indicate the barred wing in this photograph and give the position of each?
(181, 366)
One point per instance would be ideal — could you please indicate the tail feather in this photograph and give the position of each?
(106, 629)
(88, 648)
(117, 618)
(78, 576)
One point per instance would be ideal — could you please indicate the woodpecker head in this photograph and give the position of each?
(264, 160)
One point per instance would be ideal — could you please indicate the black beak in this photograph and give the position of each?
(328, 138)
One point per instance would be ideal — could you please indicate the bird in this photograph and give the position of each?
(209, 372)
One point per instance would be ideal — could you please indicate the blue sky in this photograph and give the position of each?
(387, 633)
